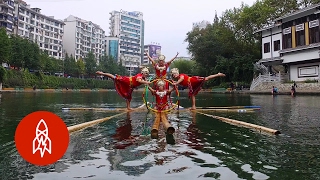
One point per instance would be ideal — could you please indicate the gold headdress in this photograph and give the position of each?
(144, 70)
(161, 58)
(160, 83)
(174, 71)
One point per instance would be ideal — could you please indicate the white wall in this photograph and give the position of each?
(69, 37)
(266, 37)
(301, 55)
(304, 70)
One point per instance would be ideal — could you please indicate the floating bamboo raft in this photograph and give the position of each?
(94, 122)
(244, 124)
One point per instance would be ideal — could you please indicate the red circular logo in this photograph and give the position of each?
(42, 138)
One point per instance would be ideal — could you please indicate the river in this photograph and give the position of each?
(121, 148)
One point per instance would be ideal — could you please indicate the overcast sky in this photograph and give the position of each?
(166, 21)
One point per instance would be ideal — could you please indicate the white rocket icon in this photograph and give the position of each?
(42, 141)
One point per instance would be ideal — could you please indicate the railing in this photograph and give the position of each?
(279, 77)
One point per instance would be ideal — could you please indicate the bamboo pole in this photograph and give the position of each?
(94, 109)
(244, 124)
(166, 124)
(232, 107)
(94, 122)
(220, 110)
(155, 127)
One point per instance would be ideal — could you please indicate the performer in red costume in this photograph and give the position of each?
(194, 83)
(124, 85)
(161, 68)
(161, 96)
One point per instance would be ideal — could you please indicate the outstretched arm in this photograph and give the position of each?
(153, 62)
(140, 80)
(152, 90)
(179, 81)
(169, 62)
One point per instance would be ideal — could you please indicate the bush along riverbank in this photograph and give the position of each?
(25, 79)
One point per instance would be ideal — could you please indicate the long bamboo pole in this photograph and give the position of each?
(97, 121)
(155, 127)
(244, 124)
(231, 107)
(166, 124)
(94, 109)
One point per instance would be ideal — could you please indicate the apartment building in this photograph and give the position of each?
(293, 41)
(82, 36)
(129, 28)
(7, 15)
(154, 51)
(44, 30)
(112, 48)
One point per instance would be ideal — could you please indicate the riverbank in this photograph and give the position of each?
(302, 92)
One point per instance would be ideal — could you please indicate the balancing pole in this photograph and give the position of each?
(231, 107)
(94, 122)
(244, 124)
(166, 124)
(155, 127)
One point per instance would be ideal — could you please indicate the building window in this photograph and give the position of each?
(276, 45)
(266, 47)
(287, 41)
(300, 38)
(308, 71)
(314, 35)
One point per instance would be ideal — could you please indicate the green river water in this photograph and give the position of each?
(121, 148)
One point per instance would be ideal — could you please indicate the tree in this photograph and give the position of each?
(185, 66)
(5, 50)
(81, 68)
(3, 72)
(17, 57)
(90, 64)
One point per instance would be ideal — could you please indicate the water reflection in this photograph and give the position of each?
(121, 148)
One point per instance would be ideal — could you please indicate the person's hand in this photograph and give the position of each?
(149, 82)
(99, 72)
(221, 74)
(177, 54)
(174, 84)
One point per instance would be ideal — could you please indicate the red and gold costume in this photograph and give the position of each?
(194, 83)
(161, 73)
(161, 100)
(124, 85)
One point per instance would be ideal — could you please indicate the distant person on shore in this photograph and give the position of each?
(124, 85)
(293, 90)
(274, 90)
(194, 83)
(294, 84)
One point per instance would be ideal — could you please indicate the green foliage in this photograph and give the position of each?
(3, 74)
(230, 45)
(90, 64)
(26, 79)
(5, 46)
(185, 66)
(311, 81)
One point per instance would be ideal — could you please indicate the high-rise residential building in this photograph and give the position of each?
(112, 48)
(44, 30)
(7, 15)
(154, 51)
(82, 36)
(201, 25)
(129, 28)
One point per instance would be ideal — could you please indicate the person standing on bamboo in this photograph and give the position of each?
(161, 67)
(194, 83)
(124, 85)
(161, 95)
